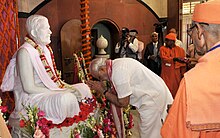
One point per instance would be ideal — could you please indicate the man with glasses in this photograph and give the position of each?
(193, 54)
(195, 111)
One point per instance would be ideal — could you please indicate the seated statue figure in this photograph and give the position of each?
(33, 77)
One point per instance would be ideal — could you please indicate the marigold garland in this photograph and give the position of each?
(85, 29)
(55, 76)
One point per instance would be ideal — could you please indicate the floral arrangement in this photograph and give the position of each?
(97, 125)
(37, 126)
(3, 110)
(103, 125)
(127, 116)
(128, 120)
(34, 124)
(94, 121)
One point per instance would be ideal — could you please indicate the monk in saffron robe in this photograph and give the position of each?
(172, 69)
(195, 111)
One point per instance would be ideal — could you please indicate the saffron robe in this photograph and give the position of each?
(4, 133)
(195, 111)
(172, 71)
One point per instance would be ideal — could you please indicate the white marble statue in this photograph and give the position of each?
(33, 77)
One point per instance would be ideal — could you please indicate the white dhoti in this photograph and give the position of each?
(150, 122)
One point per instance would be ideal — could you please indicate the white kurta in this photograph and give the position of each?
(147, 91)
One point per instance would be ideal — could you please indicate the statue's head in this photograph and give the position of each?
(38, 29)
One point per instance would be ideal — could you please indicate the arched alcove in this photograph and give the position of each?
(110, 31)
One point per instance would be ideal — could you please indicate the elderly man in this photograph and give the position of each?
(151, 55)
(195, 111)
(136, 85)
(172, 69)
(33, 77)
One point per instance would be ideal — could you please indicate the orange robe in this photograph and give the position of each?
(172, 72)
(4, 133)
(195, 112)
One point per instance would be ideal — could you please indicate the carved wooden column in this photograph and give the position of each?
(174, 9)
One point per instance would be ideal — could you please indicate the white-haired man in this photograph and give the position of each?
(136, 85)
(152, 58)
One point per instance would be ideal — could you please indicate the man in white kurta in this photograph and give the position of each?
(145, 90)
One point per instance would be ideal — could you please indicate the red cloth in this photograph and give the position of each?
(75, 74)
(116, 111)
(9, 28)
(172, 72)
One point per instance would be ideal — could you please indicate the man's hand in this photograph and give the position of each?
(181, 60)
(98, 86)
(175, 59)
(153, 57)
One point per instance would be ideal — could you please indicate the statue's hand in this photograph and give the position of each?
(75, 92)
(78, 95)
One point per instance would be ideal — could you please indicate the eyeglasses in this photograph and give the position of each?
(193, 25)
(189, 31)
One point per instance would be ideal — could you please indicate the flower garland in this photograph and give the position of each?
(128, 120)
(81, 66)
(53, 75)
(85, 31)
(81, 74)
(84, 66)
(86, 108)
(101, 126)
(3, 110)
(35, 122)
(89, 123)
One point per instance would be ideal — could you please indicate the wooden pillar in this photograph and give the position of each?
(174, 10)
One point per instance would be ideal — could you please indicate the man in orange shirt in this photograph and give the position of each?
(196, 111)
(172, 68)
